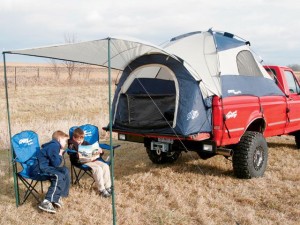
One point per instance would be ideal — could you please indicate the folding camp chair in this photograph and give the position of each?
(91, 135)
(25, 146)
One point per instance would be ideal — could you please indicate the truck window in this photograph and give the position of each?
(292, 82)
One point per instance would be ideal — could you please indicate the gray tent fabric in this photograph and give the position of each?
(246, 64)
(122, 51)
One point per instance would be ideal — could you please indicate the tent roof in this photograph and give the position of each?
(122, 51)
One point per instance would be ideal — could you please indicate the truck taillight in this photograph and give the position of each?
(122, 137)
(208, 148)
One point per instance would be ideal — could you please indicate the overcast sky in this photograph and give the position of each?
(272, 26)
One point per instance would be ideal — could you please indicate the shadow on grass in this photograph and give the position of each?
(207, 170)
(282, 145)
(134, 160)
(8, 192)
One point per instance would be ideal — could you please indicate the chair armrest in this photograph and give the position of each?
(70, 151)
(108, 147)
(102, 160)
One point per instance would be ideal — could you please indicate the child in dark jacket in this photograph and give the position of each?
(50, 158)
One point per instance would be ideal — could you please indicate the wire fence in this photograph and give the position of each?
(24, 75)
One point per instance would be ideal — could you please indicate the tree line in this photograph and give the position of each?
(295, 67)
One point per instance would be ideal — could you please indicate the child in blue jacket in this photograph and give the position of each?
(49, 159)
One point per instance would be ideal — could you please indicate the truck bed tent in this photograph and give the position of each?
(157, 94)
(172, 95)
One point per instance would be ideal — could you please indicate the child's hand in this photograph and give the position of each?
(100, 152)
(61, 151)
(94, 157)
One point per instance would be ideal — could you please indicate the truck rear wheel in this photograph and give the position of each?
(159, 157)
(250, 156)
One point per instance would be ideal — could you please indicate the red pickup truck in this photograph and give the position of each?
(206, 92)
(240, 126)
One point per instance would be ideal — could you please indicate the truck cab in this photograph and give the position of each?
(287, 81)
(285, 78)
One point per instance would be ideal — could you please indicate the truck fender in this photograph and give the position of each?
(257, 124)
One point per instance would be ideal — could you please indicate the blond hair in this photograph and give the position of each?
(59, 134)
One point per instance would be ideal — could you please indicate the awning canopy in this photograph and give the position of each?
(122, 52)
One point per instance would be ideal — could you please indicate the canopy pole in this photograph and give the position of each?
(110, 134)
(16, 185)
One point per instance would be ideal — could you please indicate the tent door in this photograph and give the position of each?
(147, 111)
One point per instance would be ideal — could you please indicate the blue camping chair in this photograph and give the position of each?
(91, 135)
(25, 146)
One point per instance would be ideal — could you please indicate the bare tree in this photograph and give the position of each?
(55, 68)
(71, 66)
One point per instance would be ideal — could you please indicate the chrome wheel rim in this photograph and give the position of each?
(258, 157)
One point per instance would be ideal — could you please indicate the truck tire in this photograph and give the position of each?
(297, 139)
(250, 156)
(162, 157)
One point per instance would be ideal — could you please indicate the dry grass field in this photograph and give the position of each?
(189, 192)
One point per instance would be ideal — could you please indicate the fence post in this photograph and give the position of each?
(15, 78)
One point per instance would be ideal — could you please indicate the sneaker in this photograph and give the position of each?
(58, 204)
(47, 206)
(104, 193)
(109, 190)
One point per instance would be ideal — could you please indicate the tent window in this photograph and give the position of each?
(247, 65)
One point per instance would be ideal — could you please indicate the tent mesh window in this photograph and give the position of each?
(148, 103)
(247, 65)
(143, 113)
